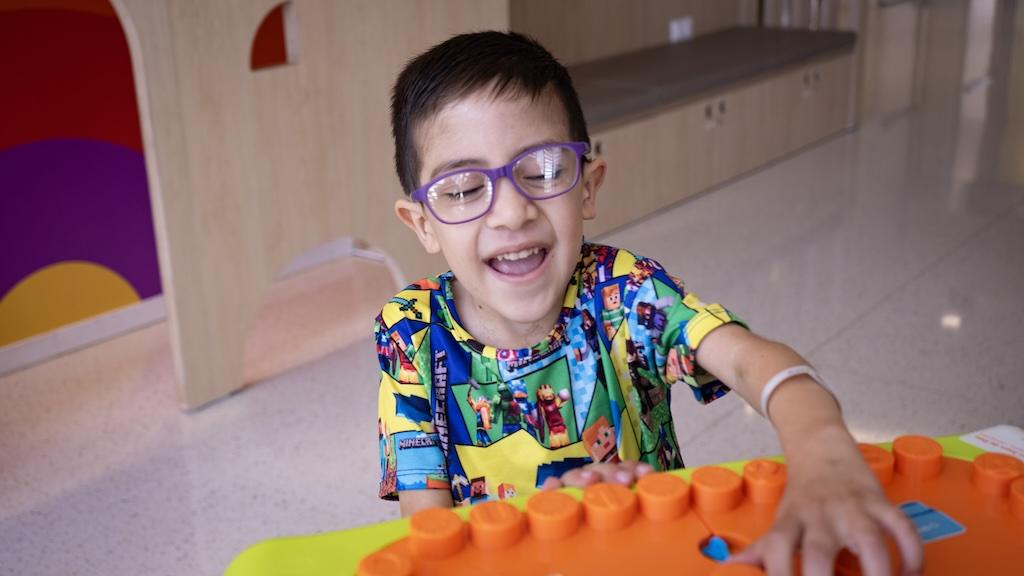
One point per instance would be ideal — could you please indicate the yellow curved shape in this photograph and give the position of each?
(60, 294)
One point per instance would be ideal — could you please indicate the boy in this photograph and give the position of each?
(491, 148)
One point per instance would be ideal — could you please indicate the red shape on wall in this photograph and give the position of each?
(101, 7)
(270, 46)
(66, 74)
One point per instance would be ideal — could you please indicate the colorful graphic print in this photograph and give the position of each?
(489, 423)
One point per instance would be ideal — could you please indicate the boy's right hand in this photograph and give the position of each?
(625, 473)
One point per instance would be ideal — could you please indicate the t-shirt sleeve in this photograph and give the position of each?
(410, 452)
(687, 322)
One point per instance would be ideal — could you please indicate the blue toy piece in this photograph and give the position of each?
(717, 549)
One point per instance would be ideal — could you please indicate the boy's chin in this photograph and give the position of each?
(529, 313)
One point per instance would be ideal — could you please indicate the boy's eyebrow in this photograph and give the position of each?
(454, 165)
(465, 162)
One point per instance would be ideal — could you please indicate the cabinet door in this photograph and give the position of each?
(628, 177)
(653, 163)
(645, 169)
(830, 109)
(699, 140)
(787, 110)
(808, 103)
(727, 136)
(756, 134)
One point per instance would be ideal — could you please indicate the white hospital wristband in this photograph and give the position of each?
(785, 375)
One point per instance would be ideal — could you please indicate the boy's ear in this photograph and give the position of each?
(412, 214)
(593, 177)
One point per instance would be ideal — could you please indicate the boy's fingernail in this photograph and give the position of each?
(624, 477)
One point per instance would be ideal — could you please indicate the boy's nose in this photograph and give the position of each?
(510, 209)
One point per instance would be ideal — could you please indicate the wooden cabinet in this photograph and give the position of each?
(830, 98)
(651, 164)
(662, 159)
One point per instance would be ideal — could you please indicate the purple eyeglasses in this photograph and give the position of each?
(542, 172)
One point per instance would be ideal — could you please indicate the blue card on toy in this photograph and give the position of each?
(931, 524)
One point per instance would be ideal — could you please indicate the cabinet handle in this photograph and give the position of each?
(817, 76)
(807, 89)
(721, 106)
(598, 148)
(709, 116)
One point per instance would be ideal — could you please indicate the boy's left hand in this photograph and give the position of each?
(626, 473)
(832, 501)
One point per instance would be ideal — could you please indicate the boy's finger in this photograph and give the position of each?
(774, 551)
(551, 483)
(750, 555)
(580, 477)
(906, 536)
(624, 477)
(777, 549)
(643, 469)
(638, 469)
(818, 551)
(867, 543)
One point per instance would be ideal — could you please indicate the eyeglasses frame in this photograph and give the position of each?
(495, 174)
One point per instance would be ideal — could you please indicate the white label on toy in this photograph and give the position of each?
(1004, 439)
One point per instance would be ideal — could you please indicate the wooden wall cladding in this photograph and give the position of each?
(581, 30)
(248, 168)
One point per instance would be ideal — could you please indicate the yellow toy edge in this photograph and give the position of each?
(339, 552)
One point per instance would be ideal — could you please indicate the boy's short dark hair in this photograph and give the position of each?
(514, 63)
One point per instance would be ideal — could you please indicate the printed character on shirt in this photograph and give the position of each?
(550, 404)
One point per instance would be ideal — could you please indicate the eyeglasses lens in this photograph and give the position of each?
(547, 172)
(543, 173)
(461, 196)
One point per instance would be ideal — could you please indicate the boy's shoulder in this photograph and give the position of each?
(603, 263)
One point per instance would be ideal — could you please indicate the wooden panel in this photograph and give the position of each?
(652, 163)
(832, 96)
(667, 157)
(889, 41)
(249, 169)
(634, 178)
(581, 30)
(726, 136)
(760, 125)
(794, 94)
(699, 148)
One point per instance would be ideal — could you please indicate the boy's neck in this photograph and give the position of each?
(491, 329)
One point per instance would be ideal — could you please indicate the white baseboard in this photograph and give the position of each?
(318, 256)
(25, 353)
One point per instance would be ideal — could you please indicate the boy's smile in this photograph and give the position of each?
(512, 265)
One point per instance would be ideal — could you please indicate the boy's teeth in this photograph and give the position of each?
(513, 256)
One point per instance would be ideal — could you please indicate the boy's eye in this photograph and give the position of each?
(463, 195)
(459, 189)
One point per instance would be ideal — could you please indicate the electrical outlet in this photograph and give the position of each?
(680, 29)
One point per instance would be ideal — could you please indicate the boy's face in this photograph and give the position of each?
(483, 131)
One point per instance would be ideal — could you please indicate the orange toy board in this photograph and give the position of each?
(969, 514)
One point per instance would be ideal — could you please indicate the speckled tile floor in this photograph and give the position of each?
(899, 278)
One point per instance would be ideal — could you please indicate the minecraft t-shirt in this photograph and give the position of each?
(489, 423)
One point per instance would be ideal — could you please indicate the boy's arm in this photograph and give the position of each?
(412, 501)
(831, 500)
